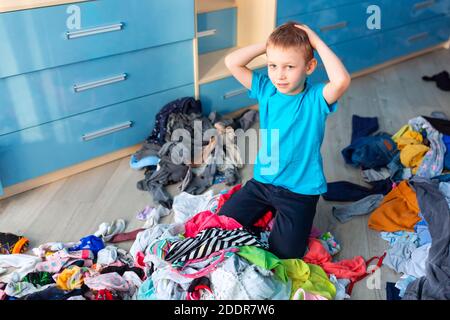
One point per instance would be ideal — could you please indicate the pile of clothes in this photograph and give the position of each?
(408, 201)
(187, 147)
(201, 255)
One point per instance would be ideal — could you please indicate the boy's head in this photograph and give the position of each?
(290, 58)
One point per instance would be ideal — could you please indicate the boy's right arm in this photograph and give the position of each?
(237, 60)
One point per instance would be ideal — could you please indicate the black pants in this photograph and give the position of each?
(293, 220)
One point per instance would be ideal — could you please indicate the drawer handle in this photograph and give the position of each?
(234, 93)
(423, 5)
(103, 82)
(106, 131)
(92, 31)
(418, 36)
(206, 33)
(335, 26)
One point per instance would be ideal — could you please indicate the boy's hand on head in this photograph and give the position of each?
(312, 36)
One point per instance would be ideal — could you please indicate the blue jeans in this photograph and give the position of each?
(370, 152)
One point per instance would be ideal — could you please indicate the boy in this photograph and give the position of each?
(298, 110)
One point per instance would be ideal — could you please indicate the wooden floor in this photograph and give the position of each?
(71, 208)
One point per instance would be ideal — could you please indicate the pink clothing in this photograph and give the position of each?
(62, 258)
(207, 220)
(350, 269)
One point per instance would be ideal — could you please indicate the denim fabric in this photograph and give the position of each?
(370, 152)
(363, 127)
(347, 191)
(395, 168)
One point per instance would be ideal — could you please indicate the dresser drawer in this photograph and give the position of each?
(225, 95)
(411, 11)
(38, 97)
(36, 151)
(416, 36)
(343, 23)
(52, 36)
(398, 42)
(287, 8)
(216, 30)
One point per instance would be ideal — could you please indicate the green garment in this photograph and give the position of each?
(39, 278)
(264, 259)
(309, 277)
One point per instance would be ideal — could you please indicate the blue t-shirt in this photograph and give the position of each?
(295, 161)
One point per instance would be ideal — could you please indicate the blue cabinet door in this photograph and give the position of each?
(52, 36)
(225, 95)
(216, 30)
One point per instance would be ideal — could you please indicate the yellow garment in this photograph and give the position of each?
(409, 138)
(71, 278)
(400, 132)
(309, 277)
(411, 156)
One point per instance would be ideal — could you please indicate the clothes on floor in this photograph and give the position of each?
(237, 279)
(370, 152)
(363, 127)
(344, 213)
(348, 191)
(203, 244)
(370, 175)
(186, 205)
(264, 259)
(126, 236)
(400, 236)
(433, 161)
(11, 243)
(156, 215)
(398, 210)
(185, 105)
(441, 125)
(442, 80)
(206, 220)
(392, 292)
(293, 220)
(350, 269)
(434, 207)
(309, 277)
(422, 231)
(330, 243)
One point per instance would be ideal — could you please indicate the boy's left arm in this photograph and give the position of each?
(337, 74)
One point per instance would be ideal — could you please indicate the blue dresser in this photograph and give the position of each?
(81, 80)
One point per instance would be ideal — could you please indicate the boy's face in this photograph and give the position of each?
(288, 69)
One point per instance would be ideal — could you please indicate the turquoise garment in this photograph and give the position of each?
(295, 162)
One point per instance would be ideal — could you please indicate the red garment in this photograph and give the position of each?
(103, 294)
(350, 269)
(206, 220)
(263, 222)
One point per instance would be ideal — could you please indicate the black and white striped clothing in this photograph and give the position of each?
(207, 242)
